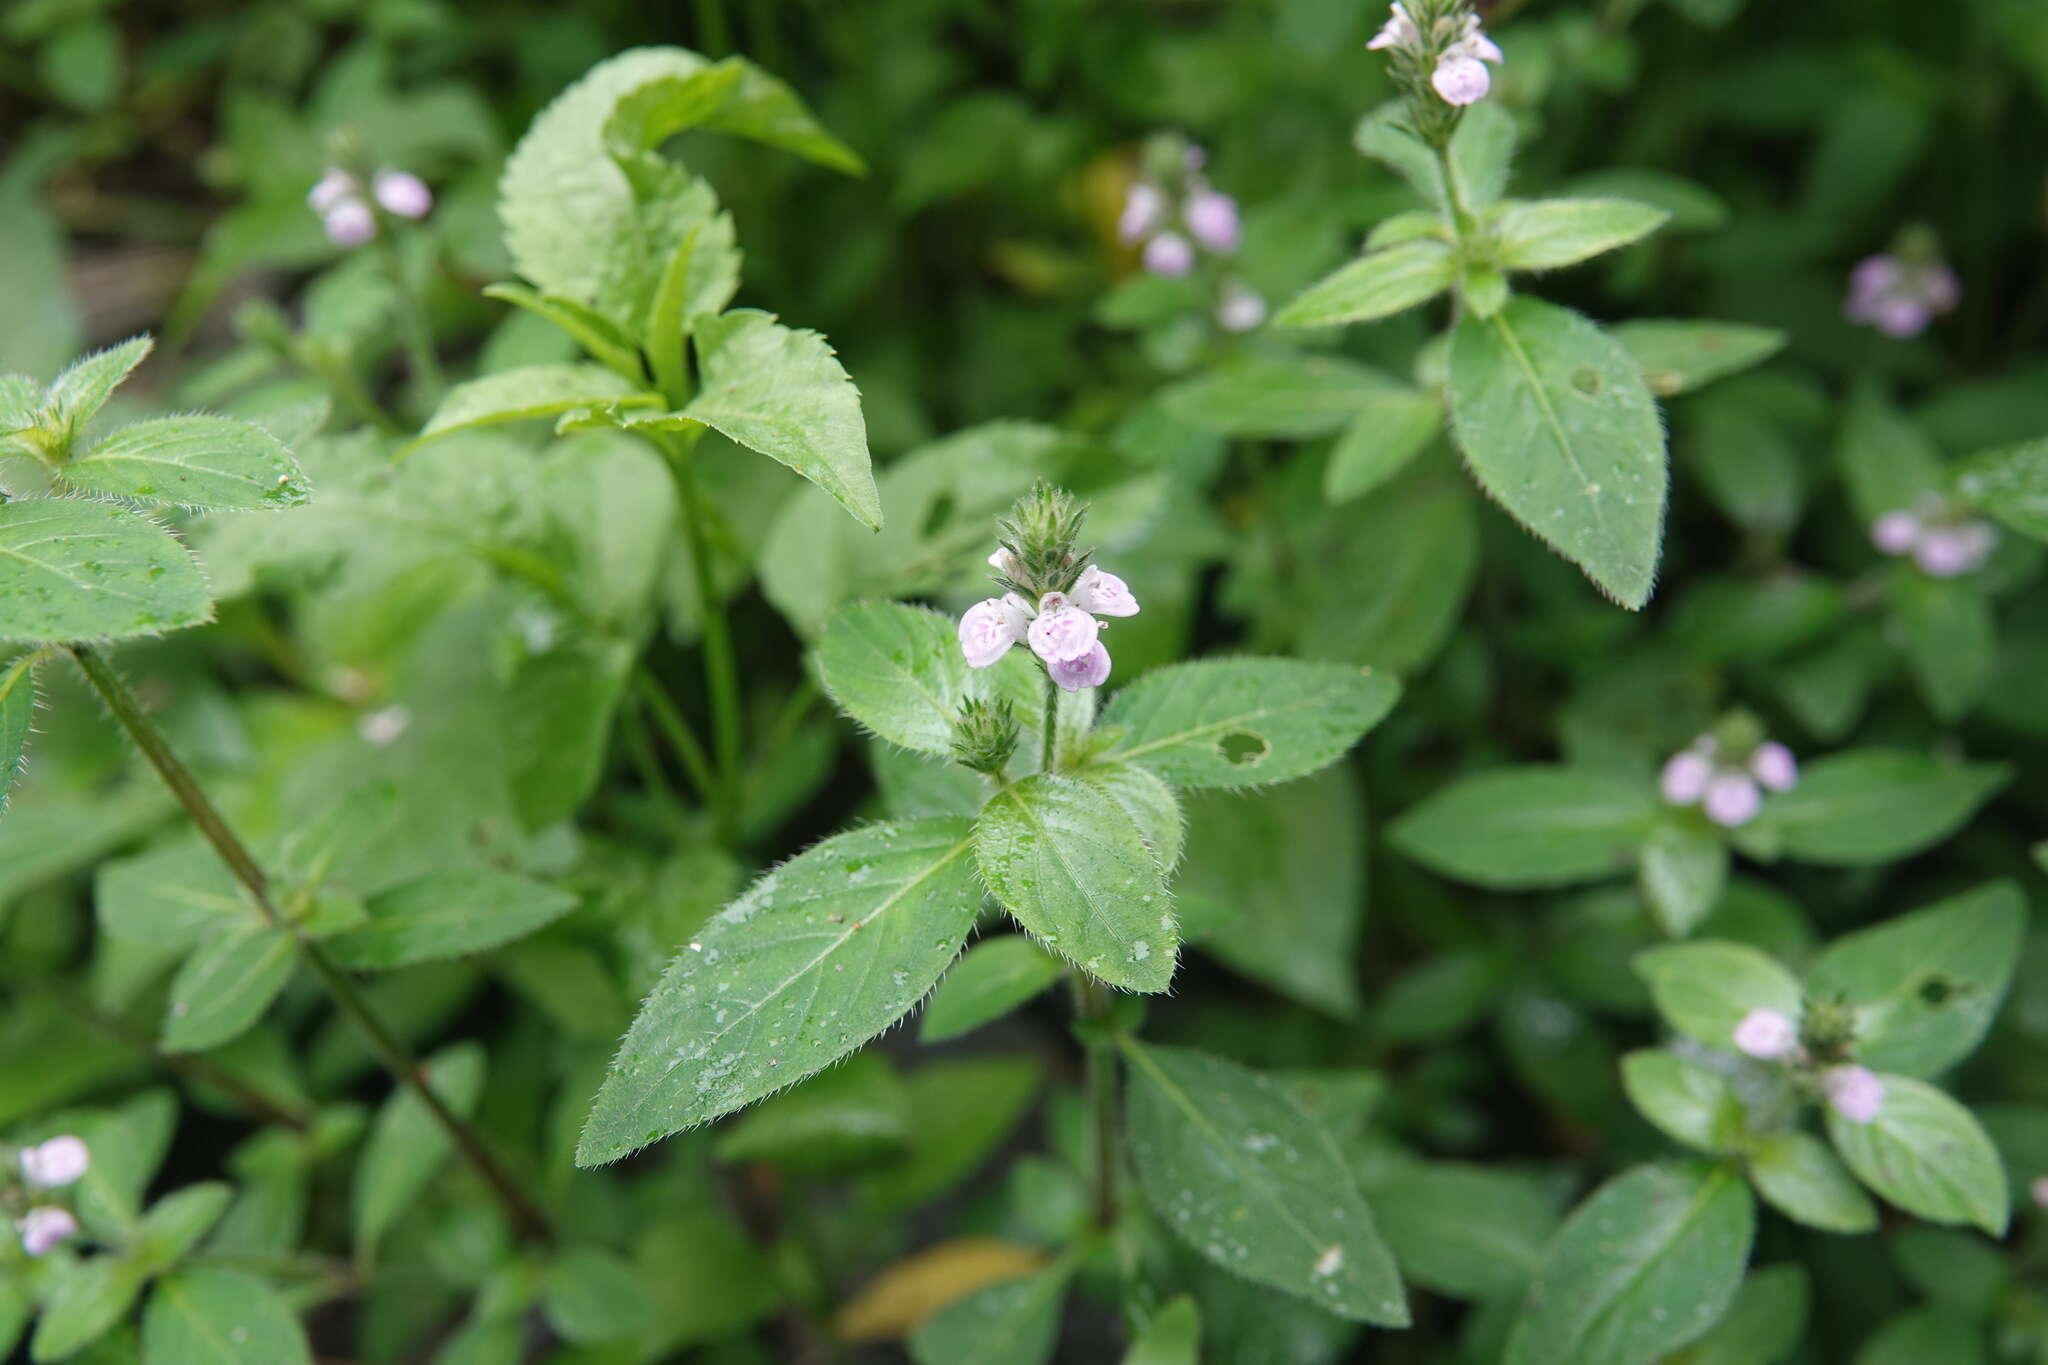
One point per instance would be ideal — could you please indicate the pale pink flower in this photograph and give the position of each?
(1144, 207)
(1767, 1034)
(989, 628)
(1732, 799)
(1895, 533)
(1240, 309)
(350, 223)
(59, 1161)
(1103, 594)
(2038, 1190)
(1900, 297)
(1398, 31)
(1685, 777)
(1460, 79)
(1170, 255)
(1061, 632)
(403, 193)
(1856, 1092)
(1211, 216)
(1773, 765)
(1951, 551)
(1089, 670)
(44, 1229)
(330, 190)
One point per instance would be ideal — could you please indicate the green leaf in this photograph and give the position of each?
(605, 340)
(1480, 153)
(734, 97)
(1247, 722)
(449, 914)
(814, 959)
(1924, 986)
(1393, 573)
(1013, 1323)
(74, 570)
(192, 462)
(1150, 803)
(1392, 427)
(851, 1115)
(1926, 1154)
(1172, 1337)
(783, 392)
(407, 1146)
(1763, 1326)
(1546, 234)
(526, 393)
(1529, 827)
(1644, 1266)
(1888, 463)
(2010, 484)
(1680, 356)
(1278, 396)
(1071, 864)
(1800, 1176)
(1559, 428)
(83, 388)
(961, 1110)
(1231, 1163)
(897, 670)
(591, 1295)
(1378, 284)
(1473, 1232)
(1682, 871)
(1384, 135)
(1704, 988)
(220, 1317)
(1874, 806)
(174, 1224)
(128, 1144)
(1926, 1334)
(225, 985)
(994, 977)
(17, 718)
(1949, 635)
(86, 1300)
(1689, 1103)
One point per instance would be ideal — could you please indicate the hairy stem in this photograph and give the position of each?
(1049, 741)
(1091, 1004)
(526, 1215)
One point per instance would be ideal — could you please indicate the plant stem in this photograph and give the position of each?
(1091, 1003)
(1049, 741)
(721, 674)
(526, 1215)
(681, 737)
(419, 337)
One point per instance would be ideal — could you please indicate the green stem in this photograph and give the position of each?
(526, 1215)
(721, 672)
(1049, 742)
(680, 736)
(412, 315)
(1091, 1003)
(640, 745)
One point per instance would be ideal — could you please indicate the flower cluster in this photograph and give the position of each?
(1899, 295)
(1053, 596)
(1724, 781)
(1172, 214)
(1855, 1092)
(1943, 543)
(1448, 44)
(344, 203)
(48, 1166)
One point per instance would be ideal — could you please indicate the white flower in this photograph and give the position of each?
(1855, 1092)
(403, 193)
(989, 628)
(1144, 207)
(43, 1229)
(1241, 309)
(1104, 594)
(1461, 80)
(1398, 31)
(1061, 632)
(59, 1161)
(1766, 1033)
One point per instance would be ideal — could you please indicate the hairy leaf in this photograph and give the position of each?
(75, 570)
(195, 461)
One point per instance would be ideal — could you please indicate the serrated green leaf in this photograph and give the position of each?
(220, 1317)
(1247, 722)
(1378, 284)
(75, 570)
(994, 977)
(1924, 986)
(199, 461)
(449, 914)
(1276, 396)
(83, 388)
(1689, 1103)
(225, 985)
(783, 392)
(406, 1145)
(1547, 234)
(526, 393)
(1529, 827)
(1704, 988)
(2010, 484)
(1392, 427)
(1473, 1232)
(1559, 428)
(1680, 356)
(1235, 1168)
(814, 959)
(1927, 1154)
(1076, 870)
(1801, 1177)
(1644, 1266)
(734, 97)
(898, 671)
(1874, 805)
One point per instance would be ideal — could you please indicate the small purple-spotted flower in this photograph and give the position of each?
(1103, 594)
(350, 223)
(1895, 533)
(1855, 1092)
(1144, 209)
(403, 193)
(1089, 670)
(44, 1229)
(1900, 297)
(1241, 309)
(1772, 764)
(990, 627)
(1169, 255)
(1685, 777)
(1766, 1034)
(1732, 799)
(59, 1161)
(1061, 632)
(1211, 216)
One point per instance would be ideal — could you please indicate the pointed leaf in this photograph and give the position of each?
(192, 462)
(1529, 827)
(1545, 234)
(1689, 1103)
(1231, 1163)
(814, 959)
(449, 914)
(1376, 285)
(1705, 988)
(2011, 484)
(220, 1317)
(605, 341)
(1559, 428)
(224, 987)
(82, 390)
(75, 570)
(1680, 356)
(898, 671)
(1874, 805)
(734, 97)
(1278, 397)
(1392, 427)
(994, 977)
(407, 1146)
(531, 391)
(1473, 1232)
(1801, 1177)
(1928, 1155)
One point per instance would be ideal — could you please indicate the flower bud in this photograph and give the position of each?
(59, 1161)
(985, 735)
(1461, 80)
(1855, 1092)
(1951, 551)
(330, 190)
(44, 1229)
(1767, 1034)
(384, 726)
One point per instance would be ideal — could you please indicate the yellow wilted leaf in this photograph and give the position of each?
(906, 1293)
